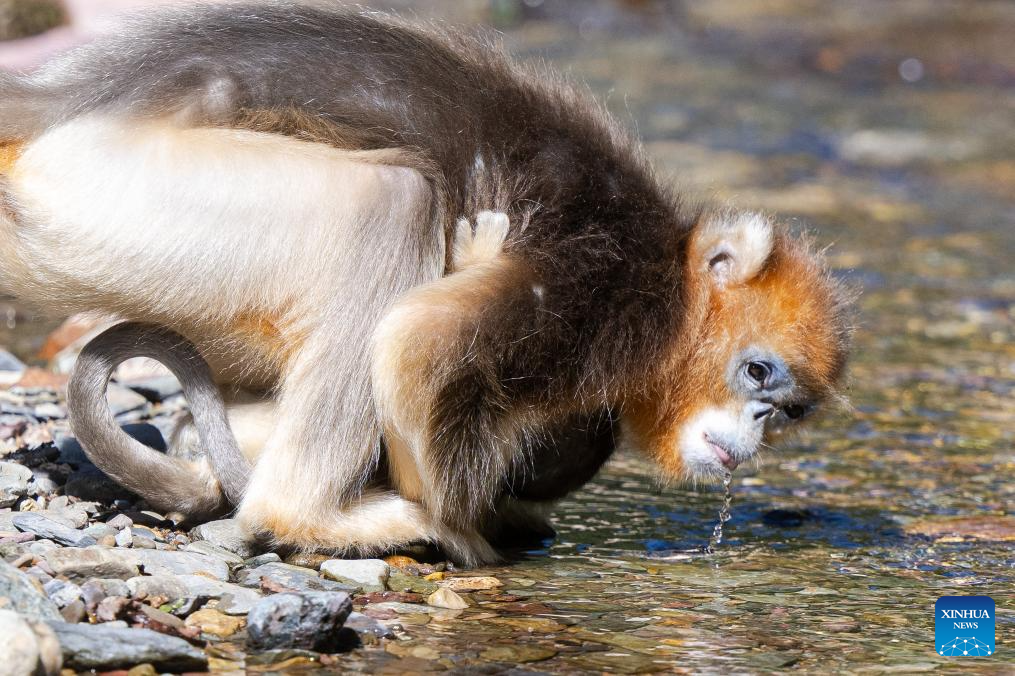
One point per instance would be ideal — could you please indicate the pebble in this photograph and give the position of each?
(229, 535)
(307, 620)
(214, 622)
(470, 584)
(120, 521)
(446, 598)
(104, 647)
(14, 480)
(28, 647)
(261, 559)
(371, 573)
(169, 586)
(24, 596)
(95, 590)
(158, 562)
(290, 578)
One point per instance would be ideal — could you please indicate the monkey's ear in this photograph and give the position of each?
(731, 246)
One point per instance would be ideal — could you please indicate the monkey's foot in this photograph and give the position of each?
(379, 522)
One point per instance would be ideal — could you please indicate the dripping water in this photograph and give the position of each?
(724, 514)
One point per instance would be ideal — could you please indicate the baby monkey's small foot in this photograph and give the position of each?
(482, 243)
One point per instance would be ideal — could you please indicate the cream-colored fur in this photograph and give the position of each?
(214, 231)
(734, 245)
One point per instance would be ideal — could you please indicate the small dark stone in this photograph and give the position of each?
(307, 620)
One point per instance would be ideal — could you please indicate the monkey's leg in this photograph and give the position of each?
(449, 432)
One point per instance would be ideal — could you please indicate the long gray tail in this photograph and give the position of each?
(167, 482)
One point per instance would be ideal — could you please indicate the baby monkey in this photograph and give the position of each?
(434, 287)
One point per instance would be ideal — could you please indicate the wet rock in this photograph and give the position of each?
(445, 598)
(786, 518)
(371, 573)
(470, 584)
(49, 529)
(18, 592)
(308, 620)
(366, 625)
(28, 647)
(518, 654)
(214, 622)
(289, 578)
(91, 562)
(410, 583)
(229, 535)
(103, 647)
(14, 480)
(307, 559)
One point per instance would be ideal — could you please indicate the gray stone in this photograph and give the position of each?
(23, 596)
(45, 527)
(209, 549)
(27, 647)
(120, 521)
(9, 364)
(260, 560)
(14, 480)
(157, 562)
(94, 591)
(308, 620)
(371, 573)
(229, 535)
(123, 400)
(105, 647)
(169, 586)
(62, 593)
(233, 599)
(290, 577)
(91, 562)
(100, 530)
(141, 542)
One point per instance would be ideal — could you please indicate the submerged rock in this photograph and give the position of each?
(308, 620)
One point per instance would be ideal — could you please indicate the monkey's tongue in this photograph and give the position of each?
(728, 462)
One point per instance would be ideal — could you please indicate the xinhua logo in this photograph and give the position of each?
(964, 626)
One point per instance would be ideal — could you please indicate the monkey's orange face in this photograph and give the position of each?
(764, 345)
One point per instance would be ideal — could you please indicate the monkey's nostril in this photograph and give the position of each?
(764, 413)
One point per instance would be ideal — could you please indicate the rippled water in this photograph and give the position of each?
(887, 129)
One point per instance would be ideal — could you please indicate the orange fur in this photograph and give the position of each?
(10, 151)
(792, 307)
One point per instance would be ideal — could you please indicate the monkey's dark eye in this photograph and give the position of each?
(794, 411)
(758, 371)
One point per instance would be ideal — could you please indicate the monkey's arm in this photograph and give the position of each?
(169, 483)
